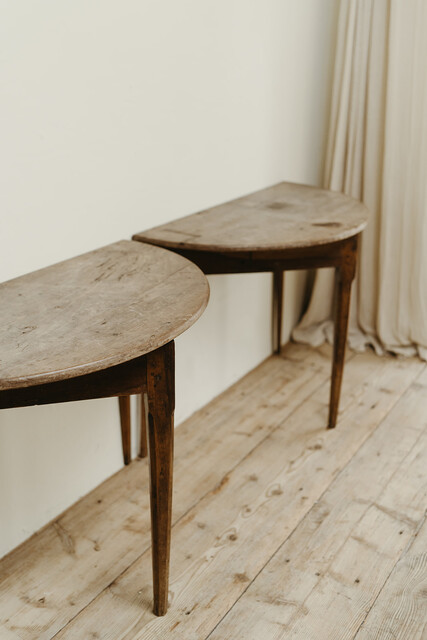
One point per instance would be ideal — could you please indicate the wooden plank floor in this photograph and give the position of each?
(281, 528)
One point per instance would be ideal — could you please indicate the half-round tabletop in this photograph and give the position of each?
(285, 227)
(285, 216)
(95, 311)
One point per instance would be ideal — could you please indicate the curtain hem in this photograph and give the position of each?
(317, 334)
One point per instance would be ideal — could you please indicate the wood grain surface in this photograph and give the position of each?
(161, 402)
(223, 543)
(94, 311)
(400, 612)
(326, 577)
(108, 529)
(285, 216)
(263, 473)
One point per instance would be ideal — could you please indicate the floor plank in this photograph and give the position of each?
(224, 541)
(250, 469)
(325, 578)
(400, 613)
(70, 562)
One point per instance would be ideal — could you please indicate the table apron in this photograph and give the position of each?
(123, 379)
(333, 255)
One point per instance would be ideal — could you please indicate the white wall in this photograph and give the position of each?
(117, 116)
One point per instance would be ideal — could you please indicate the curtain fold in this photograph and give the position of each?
(377, 153)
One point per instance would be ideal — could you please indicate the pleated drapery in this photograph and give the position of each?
(377, 153)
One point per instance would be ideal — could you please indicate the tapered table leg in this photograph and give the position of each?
(161, 404)
(345, 275)
(277, 309)
(124, 405)
(143, 449)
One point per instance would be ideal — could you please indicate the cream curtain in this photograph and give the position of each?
(377, 152)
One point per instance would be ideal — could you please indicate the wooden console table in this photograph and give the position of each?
(103, 324)
(285, 227)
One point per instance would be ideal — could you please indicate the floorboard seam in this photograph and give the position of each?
(402, 555)
(183, 515)
(320, 498)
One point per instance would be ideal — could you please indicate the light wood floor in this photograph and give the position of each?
(281, 528)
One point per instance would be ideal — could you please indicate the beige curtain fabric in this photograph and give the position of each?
(377, 152)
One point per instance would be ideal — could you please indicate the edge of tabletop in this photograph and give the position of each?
(96, 366)
(149, 235)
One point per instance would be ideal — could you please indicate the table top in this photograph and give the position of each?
(285, 216)
(94, 311)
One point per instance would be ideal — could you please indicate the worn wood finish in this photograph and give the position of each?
(95, 311)
(124, 407)
(161, 406)
(125, 423)
(223, 544)
(128, 377)
(141, 295)
(328, 574)
(284, 216)
(285, 227)
(260, 475)
(277, 309)
(339, 255)
(344, 274)
(108, 531)
(400, 612)
(143, 431)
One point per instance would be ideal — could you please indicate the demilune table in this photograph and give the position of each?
(99, 325)
(284, 227)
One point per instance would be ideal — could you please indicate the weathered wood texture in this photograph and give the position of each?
(143, 421)
(285, 216)
(400, 612)
(107, 532)
(95, 311)
(344, 275)
(278, 278)
(161, 406)
(285, 227)
(337, 560)
(99, 325)
(128, 377)
(262, 477)
(124, 407)
(125, 424)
